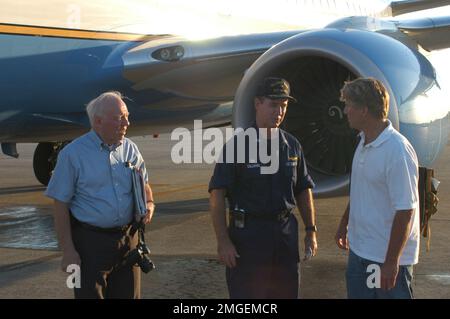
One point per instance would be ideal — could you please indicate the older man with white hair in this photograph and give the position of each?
(92, 191)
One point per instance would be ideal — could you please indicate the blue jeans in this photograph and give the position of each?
(357, 276)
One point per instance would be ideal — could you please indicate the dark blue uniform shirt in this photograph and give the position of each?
(254, 192)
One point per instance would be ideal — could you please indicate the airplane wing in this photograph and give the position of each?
(217, 65)
(407, 6)
(430, 33)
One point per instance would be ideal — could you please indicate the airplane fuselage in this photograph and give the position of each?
(49, 74)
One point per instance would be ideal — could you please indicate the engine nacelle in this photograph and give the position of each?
(317, 63)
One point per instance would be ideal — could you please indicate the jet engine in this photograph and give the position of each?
(317, 63)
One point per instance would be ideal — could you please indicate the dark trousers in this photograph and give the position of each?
(268, 264)
(264, 281)
(99, 253)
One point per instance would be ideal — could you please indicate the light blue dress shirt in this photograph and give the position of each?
(93, 178)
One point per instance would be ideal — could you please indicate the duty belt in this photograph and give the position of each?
(274, 216)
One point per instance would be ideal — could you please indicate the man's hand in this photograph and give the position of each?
(389, 272)
(150, 204)
(399, 236)
(150, 210)
(341, 237)
(70, 257)
(227, 253)
(310, 245)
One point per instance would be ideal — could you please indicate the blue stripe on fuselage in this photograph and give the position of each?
(57, 74)
(49, 75)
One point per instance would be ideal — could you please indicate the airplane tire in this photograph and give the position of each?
(42, 164)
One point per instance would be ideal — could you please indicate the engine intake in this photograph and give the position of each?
(317, 63)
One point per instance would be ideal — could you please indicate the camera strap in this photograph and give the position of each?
(142, 233)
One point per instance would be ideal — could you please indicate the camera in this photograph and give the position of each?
(139, 255)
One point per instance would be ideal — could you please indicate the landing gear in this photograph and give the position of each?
(44, 160)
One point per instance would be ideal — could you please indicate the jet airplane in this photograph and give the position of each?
(48, 74)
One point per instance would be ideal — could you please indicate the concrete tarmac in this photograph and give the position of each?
(181, 236)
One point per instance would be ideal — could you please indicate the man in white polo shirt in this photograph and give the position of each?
(380, 226)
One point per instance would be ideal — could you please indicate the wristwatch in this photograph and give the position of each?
(311, 228)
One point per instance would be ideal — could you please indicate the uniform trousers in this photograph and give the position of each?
(268, 264)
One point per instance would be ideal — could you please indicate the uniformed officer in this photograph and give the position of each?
(260, 246)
